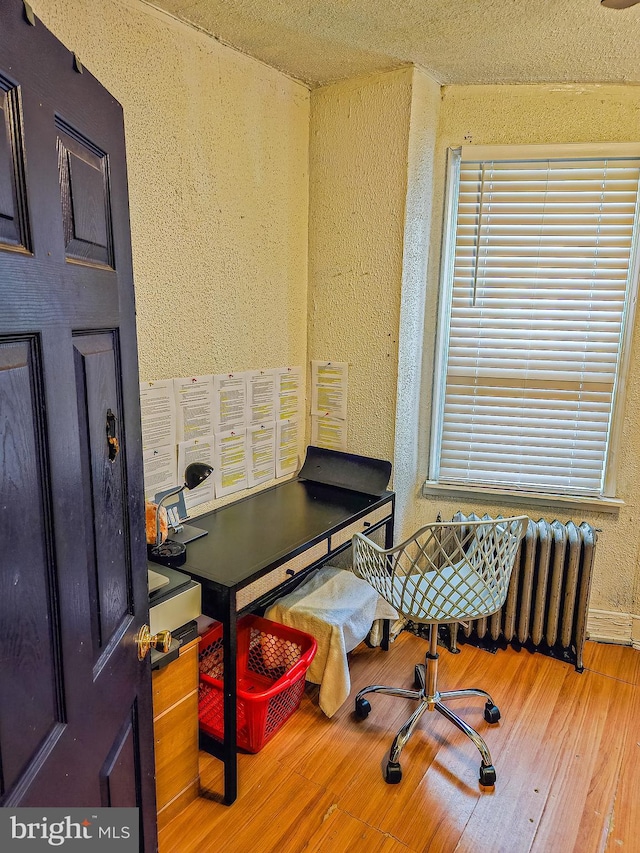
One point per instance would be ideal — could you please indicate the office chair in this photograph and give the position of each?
(446, 572)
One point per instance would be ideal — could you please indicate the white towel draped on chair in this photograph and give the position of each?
(338, 609)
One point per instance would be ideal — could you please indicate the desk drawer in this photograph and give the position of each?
(360, 526)
(176, 749)
(280, 575)
(176, 680)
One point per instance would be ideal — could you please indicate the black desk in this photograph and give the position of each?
(259, 548)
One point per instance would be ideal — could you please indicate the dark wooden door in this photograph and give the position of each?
(75, 701)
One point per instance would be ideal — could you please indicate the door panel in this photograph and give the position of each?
(13, 220)
(121, 769)
(84, 191)
(76, 719)
(29, 670)
(96, 382)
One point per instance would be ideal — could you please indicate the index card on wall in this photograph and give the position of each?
(261, 450)
(288, 392)
(287, 446)
(194, 407)
(230, 469)
(160, 470)
(197, 450)
(158, 413)
(329, 432)
(261, 397)
(229, 402)
(329, 388)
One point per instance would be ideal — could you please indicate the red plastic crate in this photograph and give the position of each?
(272, 662)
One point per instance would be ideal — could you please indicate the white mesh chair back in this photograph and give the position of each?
(446, 572)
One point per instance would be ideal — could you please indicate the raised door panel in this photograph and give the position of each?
(13, 219)
(84, 193)
(31, 698)
(120, 771)
(99, 411)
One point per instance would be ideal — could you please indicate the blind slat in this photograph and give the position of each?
(539, 282)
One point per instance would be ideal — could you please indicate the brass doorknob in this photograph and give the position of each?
(145, 640)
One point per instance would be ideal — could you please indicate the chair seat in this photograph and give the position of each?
(454, 592)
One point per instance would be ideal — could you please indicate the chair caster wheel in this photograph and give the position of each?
(363, 708)
(392, 773)
(487, 775)
(491, 713)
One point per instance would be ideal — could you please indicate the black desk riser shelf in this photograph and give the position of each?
(255, 536)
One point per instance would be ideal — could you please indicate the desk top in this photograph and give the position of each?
(262, 530)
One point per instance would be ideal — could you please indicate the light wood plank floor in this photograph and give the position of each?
(566, 752)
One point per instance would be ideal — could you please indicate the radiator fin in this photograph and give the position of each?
(546, 605)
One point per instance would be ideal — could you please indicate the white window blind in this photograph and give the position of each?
(539, 280)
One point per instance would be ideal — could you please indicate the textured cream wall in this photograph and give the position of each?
(425, 106)
(358, 184)
(377, 171)
(538, 114)
(217, 150)
(219, 188)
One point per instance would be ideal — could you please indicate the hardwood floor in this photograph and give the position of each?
(566, 752)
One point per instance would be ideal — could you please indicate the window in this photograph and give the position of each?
(539, 276)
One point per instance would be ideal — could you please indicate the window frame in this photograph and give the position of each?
(572, 151)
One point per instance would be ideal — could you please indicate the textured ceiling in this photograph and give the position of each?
(455, 41)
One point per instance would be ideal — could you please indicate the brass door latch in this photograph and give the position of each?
(145, 640)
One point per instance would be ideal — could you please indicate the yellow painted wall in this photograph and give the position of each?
(217, 151)
(539, 114)
(377, 174)
(418, 219)
(371, 174)
(242, 183)
(358, 186)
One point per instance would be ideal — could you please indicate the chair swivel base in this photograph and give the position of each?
(431, 701)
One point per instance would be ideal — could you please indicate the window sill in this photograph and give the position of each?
(609, 505)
